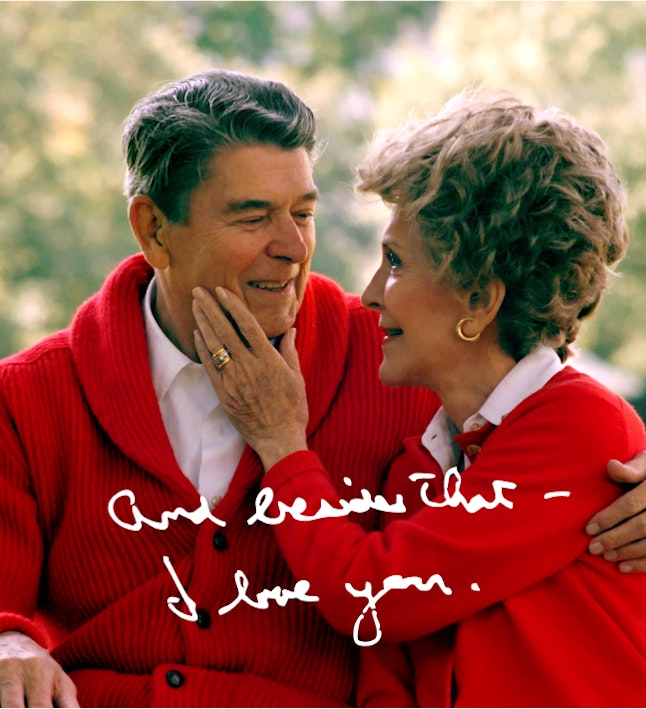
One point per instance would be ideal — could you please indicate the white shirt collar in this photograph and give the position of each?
(528, 376)
(166, 360)
(206, 445)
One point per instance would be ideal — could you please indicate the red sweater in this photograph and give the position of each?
(79, 422)
(547, 624)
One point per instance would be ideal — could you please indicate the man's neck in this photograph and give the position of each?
(181, 337)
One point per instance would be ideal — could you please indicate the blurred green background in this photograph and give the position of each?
(70, 72)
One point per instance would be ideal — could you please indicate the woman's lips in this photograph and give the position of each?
(391, 334)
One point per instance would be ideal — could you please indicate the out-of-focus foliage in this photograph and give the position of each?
(70, 73)
(72, 70)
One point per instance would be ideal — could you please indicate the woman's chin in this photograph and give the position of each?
(390, 376)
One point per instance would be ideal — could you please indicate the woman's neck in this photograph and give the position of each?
(473, 383)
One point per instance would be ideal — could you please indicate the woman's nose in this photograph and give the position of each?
(372, 296)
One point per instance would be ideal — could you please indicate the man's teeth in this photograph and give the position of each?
(268, 285)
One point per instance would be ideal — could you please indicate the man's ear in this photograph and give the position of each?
(148, 225)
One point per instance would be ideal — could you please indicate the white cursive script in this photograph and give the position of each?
(296, 509)
(456, 498)
(280, 595)
(452, 497)
(197, 516)
(173, 600)
(390, 583)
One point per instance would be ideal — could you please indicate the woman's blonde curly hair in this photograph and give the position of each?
(499, 189)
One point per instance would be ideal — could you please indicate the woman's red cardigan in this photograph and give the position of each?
(79, 422)
(524, 615)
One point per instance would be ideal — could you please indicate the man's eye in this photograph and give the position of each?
(304, 217)
(392, 258)
(253, 220)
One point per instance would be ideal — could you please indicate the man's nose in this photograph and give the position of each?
(289, 241)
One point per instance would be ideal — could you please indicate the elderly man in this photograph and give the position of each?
(128, 499)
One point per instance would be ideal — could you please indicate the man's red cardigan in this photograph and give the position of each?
(79, 422)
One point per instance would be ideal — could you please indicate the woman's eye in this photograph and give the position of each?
(392, 258)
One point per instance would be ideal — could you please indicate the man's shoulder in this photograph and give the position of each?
(45, 365)
(57, 350)
(331, 296)
(56, 345)
(358, 310)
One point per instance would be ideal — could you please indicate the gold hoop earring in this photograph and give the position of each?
(461, 335)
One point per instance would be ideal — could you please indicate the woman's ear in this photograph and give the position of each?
(148, 225)
(485, 303)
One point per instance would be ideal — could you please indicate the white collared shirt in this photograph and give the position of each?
(207, 447)
(528, 376)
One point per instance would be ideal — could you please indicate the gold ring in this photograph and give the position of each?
(220, 358)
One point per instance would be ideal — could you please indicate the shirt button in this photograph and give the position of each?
(220, 542)
(215, 501)
(174, 679)
(203, 620)
(475, 426)
(472, 450)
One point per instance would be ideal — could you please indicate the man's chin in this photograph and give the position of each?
(275, 325)
(275, 331)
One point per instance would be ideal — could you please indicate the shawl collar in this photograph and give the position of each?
(109, 349)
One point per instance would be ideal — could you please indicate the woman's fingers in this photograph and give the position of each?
(244, 320)
(229, 321)
(288, 349)
(214, 325)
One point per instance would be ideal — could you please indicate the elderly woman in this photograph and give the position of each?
(505, 225)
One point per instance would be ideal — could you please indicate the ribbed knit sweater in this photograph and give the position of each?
(80, 423)
(518, 613)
